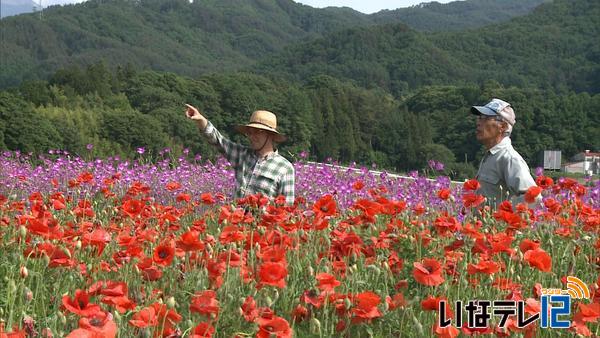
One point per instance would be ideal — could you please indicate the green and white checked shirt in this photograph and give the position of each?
(272, 176)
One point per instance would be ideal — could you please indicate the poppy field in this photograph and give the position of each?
(132, 248)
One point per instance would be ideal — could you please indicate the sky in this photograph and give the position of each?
(365, 6)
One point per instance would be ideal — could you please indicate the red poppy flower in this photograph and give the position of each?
(132, 208)
(183, 197)
(98, 238)
(446, 332)
(203, 330)
(588, 312)
(249, 310)
(327, 282)
(445, 225)
(273, 254)
(80, 304)
(120, 303)
(528, 244)
(215, 270)
(484, 266)
(428, 273)
(190, 241)
(365, 307)
(273, 274)
(325, 206)
(150, 272)
(471, 185)
(432, 303)
(358, 185)
(231, 234)
(85, 177)
(395, 263)
(396, 301)
(205, 303)
(99, 325)
(274, 327)
(532, 193)
(164, 254)
(300, 314)
(146, 317)
(539, 259)
(207, 198)
(443, 194)
(544, 182)
(231, 258)
(472, 200)
(172, 186)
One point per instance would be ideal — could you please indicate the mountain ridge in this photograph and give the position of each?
(165, 35)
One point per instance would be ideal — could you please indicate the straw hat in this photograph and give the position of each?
(264, 120)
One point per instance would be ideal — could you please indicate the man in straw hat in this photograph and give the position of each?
(503, 174)
(258, 168)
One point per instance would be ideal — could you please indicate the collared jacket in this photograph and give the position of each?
(272, 176)
(503, 174)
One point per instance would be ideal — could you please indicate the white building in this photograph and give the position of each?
(586, 162)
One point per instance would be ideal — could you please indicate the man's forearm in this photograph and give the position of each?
(202, 123)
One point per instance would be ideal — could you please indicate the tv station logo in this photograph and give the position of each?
(555, 305)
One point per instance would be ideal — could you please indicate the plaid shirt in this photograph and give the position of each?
(272, 176)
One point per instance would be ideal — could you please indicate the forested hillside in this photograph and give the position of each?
(458, 15)
(123, 111)
(199, 37)
(556, 47)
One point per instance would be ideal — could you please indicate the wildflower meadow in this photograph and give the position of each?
(136, 248)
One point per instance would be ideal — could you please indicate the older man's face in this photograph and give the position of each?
(257, 138)
(489, 128)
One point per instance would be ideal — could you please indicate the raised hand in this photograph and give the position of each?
(193, 114)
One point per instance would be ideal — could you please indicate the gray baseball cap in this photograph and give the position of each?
(496, 107)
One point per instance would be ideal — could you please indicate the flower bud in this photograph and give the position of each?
(78, 245)
(268, 301)
(347, 303)
(315, 326)
(23, 272)
(46, 333)
(62, 319)
(27, 295)
(23, 231)
(46, 260)
(170, 302)
(12, 287)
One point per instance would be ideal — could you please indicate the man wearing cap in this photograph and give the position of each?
(258, 168)
(503, 174)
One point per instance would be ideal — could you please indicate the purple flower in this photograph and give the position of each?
(140, 150)
(539, 171)
(89, 146)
